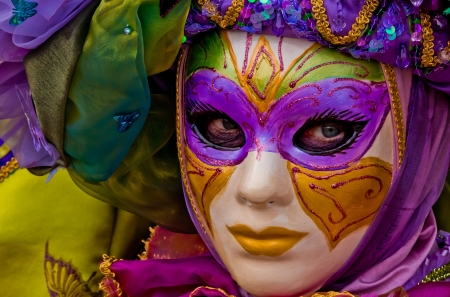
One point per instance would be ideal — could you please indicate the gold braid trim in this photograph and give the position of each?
(179, 88)
(361, 21)
(211, 288)
(437, 275)
(8, 169)
(144, 254)
(333, 294)
(106, 271)
(396, 108)
(428, 57)
(231, 15)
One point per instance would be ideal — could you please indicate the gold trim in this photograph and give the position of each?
(334, 294)
(437, 275)
(361, 21)
(106, 271)
(396, 109)
(144, 254)
(211, 288)
(428, 57)
(180, 152)
(8, 169)
(231, 15)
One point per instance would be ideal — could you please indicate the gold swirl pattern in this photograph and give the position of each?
(105, 285)
(396, 108)
(8, 169)
(428, 57)
(231, 15)
(361, 21)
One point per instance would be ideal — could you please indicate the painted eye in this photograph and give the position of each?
(219, 131)
(326, 137)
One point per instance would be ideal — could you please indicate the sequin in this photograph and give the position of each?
(125, 121)
(128, 30)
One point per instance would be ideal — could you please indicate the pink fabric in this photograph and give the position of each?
(398, 268)
(430, 290)
(174, 277)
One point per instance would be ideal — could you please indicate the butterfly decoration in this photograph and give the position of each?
(22, 10)
(125, 121)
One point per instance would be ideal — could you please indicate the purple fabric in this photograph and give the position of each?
(413, 191)
(52, 15)
(19, 127)
(438, 256)
(173, 277)
(430, 290)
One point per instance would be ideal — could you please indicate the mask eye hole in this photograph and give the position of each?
(327, 136)
(219, 131)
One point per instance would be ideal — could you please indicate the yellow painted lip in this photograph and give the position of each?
(271, 242)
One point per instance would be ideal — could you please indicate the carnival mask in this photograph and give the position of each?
(287, 151)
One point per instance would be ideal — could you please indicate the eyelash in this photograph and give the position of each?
(344, 115)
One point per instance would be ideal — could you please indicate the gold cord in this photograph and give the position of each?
(397, 110)
(106, 271)
(334, 294)
(323, 25)
(231, 15)
(8, 169)
(428, 57)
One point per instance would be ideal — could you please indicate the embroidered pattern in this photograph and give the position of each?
(63, 279)
(109, 285)
(22, 11)
(438, 274)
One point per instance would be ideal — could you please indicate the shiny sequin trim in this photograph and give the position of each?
(230, 17)
(144, 254)
(8, 169)
(428, 58)
(437, 275)
(396, 108)
(109, 285)
(323, 25)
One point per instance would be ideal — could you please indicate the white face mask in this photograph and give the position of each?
(285, 169)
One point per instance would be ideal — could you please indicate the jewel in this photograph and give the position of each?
(125, 121)
(339, 23)
(439, 22)
(267, 6)
(128, 30)
(392, 36)
(254, 18)
(305, 4)
(443, 56)
(416, 36)
(278, 25)
(246, 12)
(265, 15)
(403, 60)
(252, 1)
(285, 4)
(263, 1)
(416, 3)
(361, 42)
(184, 39)
(387, 22)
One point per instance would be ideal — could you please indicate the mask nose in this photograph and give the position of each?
(264, 182)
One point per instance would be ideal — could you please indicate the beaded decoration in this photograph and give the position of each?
(380, 27)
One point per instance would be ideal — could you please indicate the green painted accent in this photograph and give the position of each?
(208, 52)
(390, 30)
(327, 55)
